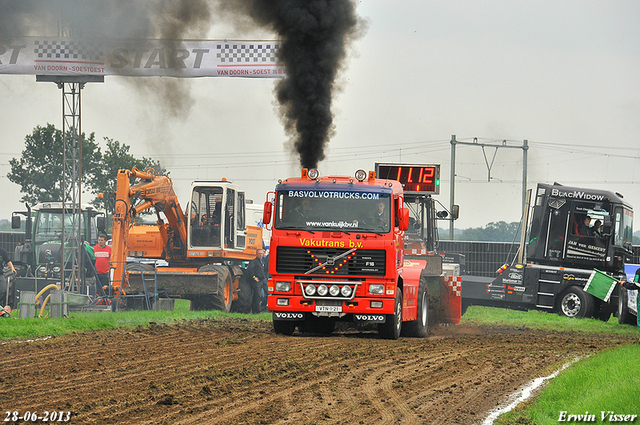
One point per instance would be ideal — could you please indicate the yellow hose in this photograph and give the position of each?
(44, 304)
(45, 289)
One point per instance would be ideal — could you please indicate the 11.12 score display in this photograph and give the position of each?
(414, 178)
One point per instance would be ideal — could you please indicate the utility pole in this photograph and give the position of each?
(503, 144)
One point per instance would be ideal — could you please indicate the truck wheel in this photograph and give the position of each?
(284, 327)
(243, 303)
(625, 317)
(393, 326)
(221, 300)
(419, 328)
(574, 302)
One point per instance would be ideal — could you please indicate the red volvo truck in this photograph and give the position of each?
(337, 253)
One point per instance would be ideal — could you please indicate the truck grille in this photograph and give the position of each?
(361, 262)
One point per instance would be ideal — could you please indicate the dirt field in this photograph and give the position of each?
(237, 372)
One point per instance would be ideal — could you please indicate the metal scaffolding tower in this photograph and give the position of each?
(71, 87)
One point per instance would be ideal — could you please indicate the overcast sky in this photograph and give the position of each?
(564, 75)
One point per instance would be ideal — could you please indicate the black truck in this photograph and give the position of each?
(572, 231)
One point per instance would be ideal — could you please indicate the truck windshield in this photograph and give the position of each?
(49, 226)
(333, 210)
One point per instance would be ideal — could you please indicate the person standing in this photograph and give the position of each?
(103, 254)
(265, 283)
(255, 274)
(4, 261)
(635, 284)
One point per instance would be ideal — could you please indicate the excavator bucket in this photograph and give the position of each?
(173, 281)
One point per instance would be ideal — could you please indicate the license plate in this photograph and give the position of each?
(329, 309)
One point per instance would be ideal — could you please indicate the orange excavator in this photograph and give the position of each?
(204, 247)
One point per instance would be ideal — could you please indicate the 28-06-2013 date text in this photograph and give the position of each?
(47, 416)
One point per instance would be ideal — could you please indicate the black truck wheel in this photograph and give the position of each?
(243, 303)
(625, 317)
(393, 326)
(574, 302)
(419, 328)
(284, 327)
(222, 300)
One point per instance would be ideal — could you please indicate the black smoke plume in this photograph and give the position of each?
(314, 40)
(315, 37)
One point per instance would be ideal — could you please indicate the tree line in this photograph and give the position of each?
(39, 170)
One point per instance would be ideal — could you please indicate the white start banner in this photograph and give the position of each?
(130, 57)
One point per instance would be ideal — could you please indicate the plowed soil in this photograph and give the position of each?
(240, 372)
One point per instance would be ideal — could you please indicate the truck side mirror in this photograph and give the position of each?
(266, 213)
(403, 219)
(455, 212)
(101, 223)
(15, 221)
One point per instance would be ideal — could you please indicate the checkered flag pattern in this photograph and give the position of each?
(247, 53)
(68, 51)
(455, 285)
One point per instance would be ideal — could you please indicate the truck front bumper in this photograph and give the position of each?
(328, 307)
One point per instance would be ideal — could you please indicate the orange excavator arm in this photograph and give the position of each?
(156, 192)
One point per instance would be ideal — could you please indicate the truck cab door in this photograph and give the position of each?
(229, 219)
(241, 232)
(206, 217)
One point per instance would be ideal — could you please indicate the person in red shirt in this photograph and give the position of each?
(103, 255)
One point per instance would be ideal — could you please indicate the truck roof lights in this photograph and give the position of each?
(313, 174)
(361, 175)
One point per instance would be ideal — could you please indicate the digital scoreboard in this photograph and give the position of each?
(415, 179)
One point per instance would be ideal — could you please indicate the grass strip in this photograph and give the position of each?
(13, 327)
(542, 320)
(589, 392)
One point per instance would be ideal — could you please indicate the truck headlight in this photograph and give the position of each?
(346, 291)
(334, 290)
(322, 290)
(310, 290)
(283, 286)
(376, 289)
